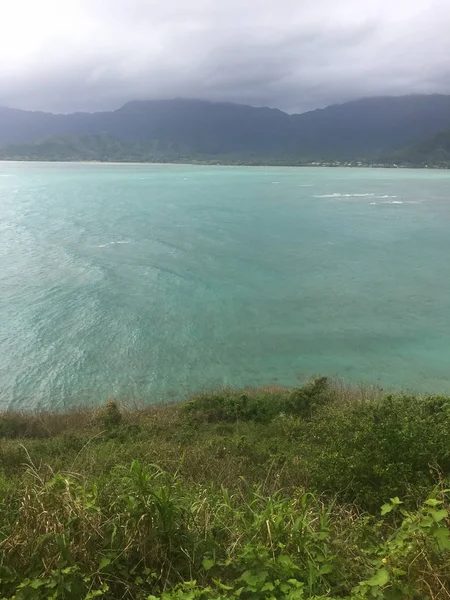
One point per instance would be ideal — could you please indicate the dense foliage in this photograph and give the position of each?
(316, 492)
(95, 147)
(194, 130)
(434, 151)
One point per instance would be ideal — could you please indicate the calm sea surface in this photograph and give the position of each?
(151, 282)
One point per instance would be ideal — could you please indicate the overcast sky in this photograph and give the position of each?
(67, 55)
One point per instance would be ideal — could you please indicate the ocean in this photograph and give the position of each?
(150, 282)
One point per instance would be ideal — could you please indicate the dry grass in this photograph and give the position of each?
(82, 486)
(46, 424)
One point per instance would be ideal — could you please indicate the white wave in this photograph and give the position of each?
(393, 202)
(275, 182)
(337, 195)
(387, 196)
(306, 185)
(114, 243)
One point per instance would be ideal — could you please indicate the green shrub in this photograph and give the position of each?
(306, 400)
(370, 452)
(143, 533)
(110, 415)
(85, 513)
(259, 406)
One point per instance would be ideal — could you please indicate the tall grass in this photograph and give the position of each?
(256, 494)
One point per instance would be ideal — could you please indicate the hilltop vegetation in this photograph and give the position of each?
(105, 148)
(194, 130)
(433, 151)
(93, 147)
(316, 492)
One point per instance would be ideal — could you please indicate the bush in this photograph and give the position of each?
(370, 452)
(143, 533)
(306, 400)
(259, 406)
(110, 415)
(85, 513)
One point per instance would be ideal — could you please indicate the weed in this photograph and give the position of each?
(259, 494)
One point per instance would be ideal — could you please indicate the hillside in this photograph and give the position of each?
(322, 492)
(371, 126)
(434, 151)
(364, 128)
(91, 146)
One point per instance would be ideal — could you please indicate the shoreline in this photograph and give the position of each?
(344, 165)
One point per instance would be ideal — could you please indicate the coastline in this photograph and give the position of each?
(209, 163)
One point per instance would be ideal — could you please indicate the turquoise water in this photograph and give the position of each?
(149, 282)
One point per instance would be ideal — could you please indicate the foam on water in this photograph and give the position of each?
(363, 195)
(338, 195)
(114, 243)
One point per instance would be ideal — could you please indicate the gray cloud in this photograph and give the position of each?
(290, 54)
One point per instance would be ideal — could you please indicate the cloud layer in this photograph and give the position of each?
(291, 54)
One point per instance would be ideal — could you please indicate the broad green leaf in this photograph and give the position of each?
(381, 578)
(442, 536)
(325, 569)
(396, 501)
(222, 586)
(386, 508)
(208, 563)
(93, 594)
(438, 515)
(104, 562)
(36, 583)
(268, 587)
(426, 522)
(296, 595)
(285, 560)
(432, 502)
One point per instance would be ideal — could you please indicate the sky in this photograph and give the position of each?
(296, 55)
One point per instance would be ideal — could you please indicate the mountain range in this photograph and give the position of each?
(370, 128)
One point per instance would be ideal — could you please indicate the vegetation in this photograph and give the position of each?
(433, 152)
(317, 492)
(102, 147)
(105, 148)
(181, 130)
(93, 147)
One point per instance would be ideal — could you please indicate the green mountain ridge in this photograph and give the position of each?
(431, 151)
(95, 147)
(180, 129)
(103, 147)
